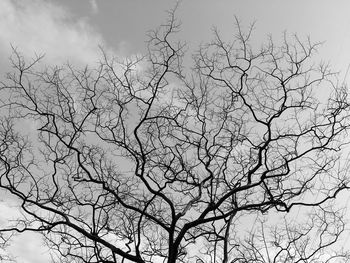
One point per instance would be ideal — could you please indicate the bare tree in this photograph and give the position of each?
(291, 241)
(145, 160)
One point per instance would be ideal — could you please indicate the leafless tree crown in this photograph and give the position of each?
(145, 160)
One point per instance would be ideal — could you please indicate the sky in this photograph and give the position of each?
(73, 30)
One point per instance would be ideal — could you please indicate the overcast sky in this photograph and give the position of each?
(72, 30)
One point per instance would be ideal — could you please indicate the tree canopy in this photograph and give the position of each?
(145, 159)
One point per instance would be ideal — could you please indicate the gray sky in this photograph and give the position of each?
(73, 29)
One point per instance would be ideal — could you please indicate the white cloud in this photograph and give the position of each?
(29, 248)
(94, 6)
(40, 26)
(25, 247)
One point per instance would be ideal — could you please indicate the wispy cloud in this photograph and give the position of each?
(94, 6)
(44, 27)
